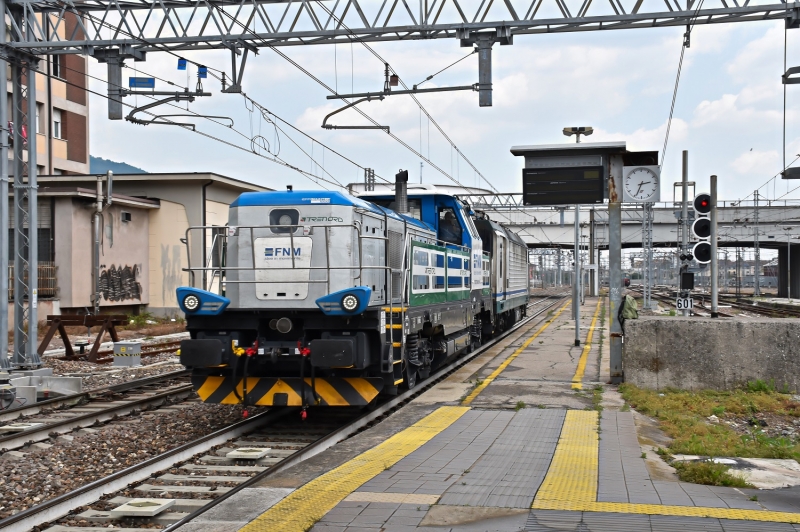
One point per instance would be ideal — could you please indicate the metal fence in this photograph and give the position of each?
(48, 284)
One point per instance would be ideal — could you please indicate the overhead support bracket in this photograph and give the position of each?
(473, 87)
(237, 74)
(115, 59)
(325, 124)
(787, 78)
(793, 18)
(173, 97)
(484, 40)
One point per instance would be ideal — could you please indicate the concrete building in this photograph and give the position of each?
(62, 111)
(142, 253)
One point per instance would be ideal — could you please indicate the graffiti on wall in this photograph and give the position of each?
(119, 283)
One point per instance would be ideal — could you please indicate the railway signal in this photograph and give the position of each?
(701, 228)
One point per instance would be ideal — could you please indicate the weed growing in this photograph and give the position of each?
(709, 473)
(683, 416)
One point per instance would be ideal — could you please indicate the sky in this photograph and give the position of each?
(728, 112)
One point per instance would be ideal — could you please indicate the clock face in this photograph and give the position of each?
(641, 184)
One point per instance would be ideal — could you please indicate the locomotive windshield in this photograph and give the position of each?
(449, 228)
(414, 206)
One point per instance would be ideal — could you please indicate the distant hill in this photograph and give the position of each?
(98, 165)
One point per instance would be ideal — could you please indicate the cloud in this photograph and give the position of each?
(646, 139)
(756, 162)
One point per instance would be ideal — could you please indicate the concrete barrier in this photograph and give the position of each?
(720, 354)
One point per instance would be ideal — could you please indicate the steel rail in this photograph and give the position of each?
(367, 419)
(35, 434)
(63, 504)
(9, 415)
(57, 507)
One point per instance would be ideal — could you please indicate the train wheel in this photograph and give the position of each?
(410, 376)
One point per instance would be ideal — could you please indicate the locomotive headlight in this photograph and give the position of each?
(285, 220)
(191, 302)
(350, 303)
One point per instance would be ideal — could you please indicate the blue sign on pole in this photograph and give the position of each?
(202, 72)
(181, 64)
(142, 83)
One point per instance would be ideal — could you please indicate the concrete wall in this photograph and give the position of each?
(125, 248)
(701, 353)
(167, 257)
(44, 308)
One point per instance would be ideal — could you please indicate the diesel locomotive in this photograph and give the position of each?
(323, 298)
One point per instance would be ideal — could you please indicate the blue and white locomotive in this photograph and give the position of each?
(322, 298)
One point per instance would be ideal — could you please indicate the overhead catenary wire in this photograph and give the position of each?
(276, 160)
(337, 183)
(684, 45)
(353, 37)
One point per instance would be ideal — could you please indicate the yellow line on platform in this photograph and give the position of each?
(571, 481)
(577, 380)
(305, 506)
(482, 386)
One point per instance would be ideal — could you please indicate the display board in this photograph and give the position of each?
(563, 186)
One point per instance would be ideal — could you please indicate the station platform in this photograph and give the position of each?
(513, 441)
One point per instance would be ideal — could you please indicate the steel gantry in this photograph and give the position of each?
(152, 25)
(113, 31)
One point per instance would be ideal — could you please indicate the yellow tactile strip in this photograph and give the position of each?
(572, 475)
(306, 505)
(577, 379)
(571, 481)
(399, 498)
(482, 386)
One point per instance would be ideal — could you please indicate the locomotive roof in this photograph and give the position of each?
(318, 197)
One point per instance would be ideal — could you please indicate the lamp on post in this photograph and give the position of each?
(578, 131)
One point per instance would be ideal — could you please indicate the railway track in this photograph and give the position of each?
(82, 410)
(205, 465)
(737, 303)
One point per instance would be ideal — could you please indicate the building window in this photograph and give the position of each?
(57, 66)
(57, 123)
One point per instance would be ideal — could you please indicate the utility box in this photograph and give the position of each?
(127, 354)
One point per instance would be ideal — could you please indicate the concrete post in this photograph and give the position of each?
(576, 282)
(714, 261)
(685, 219)
(615, 266)
(4, 206)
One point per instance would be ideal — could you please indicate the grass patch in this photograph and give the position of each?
(520, 405)
(682, 415)
(709, 473)
(597, 398)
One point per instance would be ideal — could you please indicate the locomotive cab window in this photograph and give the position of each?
(449, 228)
(414, 206)
(420, 258)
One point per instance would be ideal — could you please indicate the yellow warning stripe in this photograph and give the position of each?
(571, 481)
(572, 475)
(305, 506)
(577, 379)
(482, 386)
(395, 326)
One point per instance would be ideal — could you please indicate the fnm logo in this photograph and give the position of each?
(281, 252)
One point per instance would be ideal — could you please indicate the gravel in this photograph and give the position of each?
(101, 375)
(46, 473)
